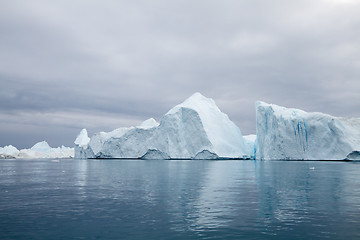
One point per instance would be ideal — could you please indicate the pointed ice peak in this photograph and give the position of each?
(82, 139)
(149, 123)
(217, 125)
(41, 147)
(197, 102)
(199, 99)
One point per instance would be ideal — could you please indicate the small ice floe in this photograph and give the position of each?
(55, 160)
(312, 168)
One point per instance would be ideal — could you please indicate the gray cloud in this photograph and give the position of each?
(101, 65)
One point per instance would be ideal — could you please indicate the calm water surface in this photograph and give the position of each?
(135, 199)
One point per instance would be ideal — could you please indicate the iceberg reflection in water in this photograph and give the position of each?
(198, 199)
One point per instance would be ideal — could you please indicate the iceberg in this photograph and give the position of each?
(82, 140)
(39, 150)
(293, 134)
(186, 130)
(81, 149)
(8, 152)
(97, 141)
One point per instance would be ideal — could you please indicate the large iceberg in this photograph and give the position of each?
(195, 128)
(293, 134)
(39, 150)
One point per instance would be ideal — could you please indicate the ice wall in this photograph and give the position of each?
(293, 134)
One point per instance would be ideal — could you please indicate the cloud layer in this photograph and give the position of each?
(105, 64)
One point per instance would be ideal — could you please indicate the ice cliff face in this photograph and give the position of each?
(185, 131)
(224, 136)
(286, 133)
(39, 150)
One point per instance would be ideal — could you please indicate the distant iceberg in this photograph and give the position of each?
(293, 134)
(39, 150)
(8, 152)
(250, 143)
(193, 129)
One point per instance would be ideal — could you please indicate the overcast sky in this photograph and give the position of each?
(66, 65)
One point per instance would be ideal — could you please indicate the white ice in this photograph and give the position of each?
(39, 150)
(189, 128)
(288, 133)
(8, 152)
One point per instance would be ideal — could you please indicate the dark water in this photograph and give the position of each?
(130, 199)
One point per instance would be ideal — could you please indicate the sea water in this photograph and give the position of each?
(199, 199)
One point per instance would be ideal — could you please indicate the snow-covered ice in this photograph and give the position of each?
(186, 130)
(293, 134)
